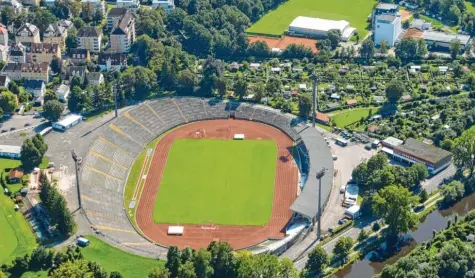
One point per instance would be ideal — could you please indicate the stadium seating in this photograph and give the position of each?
(105, 168)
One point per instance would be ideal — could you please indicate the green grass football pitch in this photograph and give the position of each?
(226, 182)
(276, 22)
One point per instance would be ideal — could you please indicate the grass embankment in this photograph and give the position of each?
(114, 259)
(276, 22)
(217, 181)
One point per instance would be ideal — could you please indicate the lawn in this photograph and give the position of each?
(114, 259)
(17, 239)
(350, 116)
(276, 22)
(227, 182)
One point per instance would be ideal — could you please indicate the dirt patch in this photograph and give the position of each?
(405, 14)
(285, 41)
(197, 236)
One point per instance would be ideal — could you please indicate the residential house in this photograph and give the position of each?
(63, 92)
(18, 54)
(95, 78)
(31, 2)
(3, 35)
(15, 175)
(114, 16)
(49, 3)
(167, 5)
(112, 61)
(322, 118)
(37, 88)
(351, 102)
(43, 52)
(76, 71)
(28, 71)
(67, 24)
(90, 38)
(4, 49)
(123, 36)
(94, 5)
(79, 56)
(55, 33)
(4, 81)
(27, 33)
(134, 5)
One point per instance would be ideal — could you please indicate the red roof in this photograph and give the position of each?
(406, 97)
(294, 92)
(351, 101)
(372, 128)
(323, 117)
(15, 173)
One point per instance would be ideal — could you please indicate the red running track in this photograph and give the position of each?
(285, 191)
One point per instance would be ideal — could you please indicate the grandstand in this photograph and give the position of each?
(112, 154)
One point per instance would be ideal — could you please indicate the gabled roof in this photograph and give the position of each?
(96, 76)
(116, 12)
(123, 24)
(33, 84)
(32, 29)
(115, 58)
(89, 32)
(55, 30)
(43, 47)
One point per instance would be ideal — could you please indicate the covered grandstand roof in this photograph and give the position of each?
(319, 156)
(319, 24)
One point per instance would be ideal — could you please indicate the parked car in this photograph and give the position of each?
(27, 124)
(368, 147)
(342, 189)
(12, 128)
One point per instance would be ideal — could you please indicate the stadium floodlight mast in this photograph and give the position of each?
(115, 99)
(76, 159)
(319, 176)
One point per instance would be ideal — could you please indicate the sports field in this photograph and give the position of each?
(276, 22)
(16, 237)
(223, 182)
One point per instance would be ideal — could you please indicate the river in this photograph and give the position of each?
(436, 220)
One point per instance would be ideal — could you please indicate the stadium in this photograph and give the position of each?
(189, 171)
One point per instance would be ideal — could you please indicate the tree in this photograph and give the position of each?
(464, 151)
(455, 48)
(71, 40)
(410, 49)
(420, 170)
(202, 263)
(273, 86)
(222, 259)
(77, 100)
(49, 95)
(30, 155)
(53, 110)
(317, 260)
(423, 196)
(187, 270)
(8, 101)
(173, 260)
(71, 269)
(287, 269)
(394, 91)
(393, 205)
(138, 82)
(453, 191)
(305, 105)
(334, 36)
(367, 49)
(454, 14)
(158, 272)
(383, 47)
(343, 247)
(1, 113)
(55, 65)
(115, 274)
(240, 88)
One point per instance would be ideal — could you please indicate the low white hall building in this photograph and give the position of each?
(318, 27)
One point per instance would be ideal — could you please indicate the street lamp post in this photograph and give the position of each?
(319, 176)
(75, 158)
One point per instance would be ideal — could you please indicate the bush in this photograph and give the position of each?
(376, 227)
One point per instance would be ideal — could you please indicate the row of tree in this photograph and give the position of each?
(56, 207)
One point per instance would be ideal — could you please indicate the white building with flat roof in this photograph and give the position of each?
(318, 27)
(388, 28)
(10, 151)
(67, 122)
(441, 39)
(167, 5)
